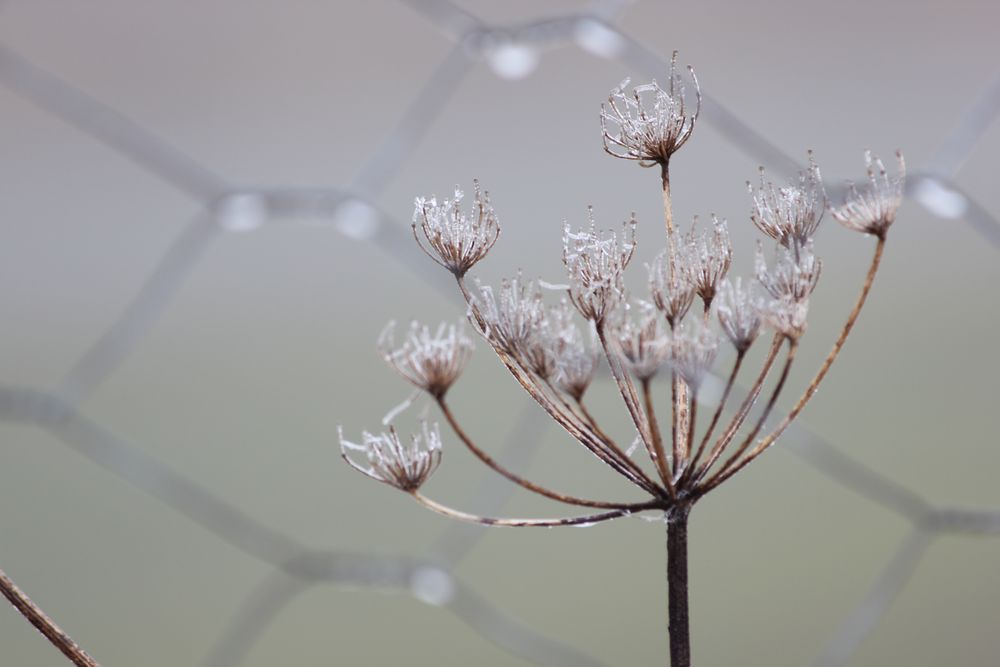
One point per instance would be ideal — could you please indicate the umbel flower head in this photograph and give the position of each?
(642, 340)
(393, 463)
(507, 322)
(708, 258)
(873, 208)
(595, 262)
(457, 239)
(670, 283)
(429, 361)
(739, 310)
(575, 359)
(790, 281)
(651, 123)
(692, 352)
(789, 214)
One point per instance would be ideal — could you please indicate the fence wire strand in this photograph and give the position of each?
(296, 567)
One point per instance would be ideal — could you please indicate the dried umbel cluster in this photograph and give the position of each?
(693, 309)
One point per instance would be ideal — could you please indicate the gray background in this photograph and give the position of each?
(235, 367)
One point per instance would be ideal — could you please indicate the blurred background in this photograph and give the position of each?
(205, 213)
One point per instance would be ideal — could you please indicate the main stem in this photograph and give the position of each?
(677, 587)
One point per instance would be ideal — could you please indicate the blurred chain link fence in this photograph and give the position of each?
(512, 51)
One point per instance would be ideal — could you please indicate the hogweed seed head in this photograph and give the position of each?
(575, 360)
(794, 274)
(692, 352)
(873, 208)
(432, 362)
(651, 123)
(457, 240)
(670, 283)
(708, 257)
(790, 214)
(643, 342)
(393, 463)
(739, 310)
(595, 262)
(509, 321)
(787, 316)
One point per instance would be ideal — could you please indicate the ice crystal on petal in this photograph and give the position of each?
(643, 341)
(457, 240)
(794, 274)
(739, 311)
(873, 208)
(650, 123)
(692, 352)
(430, 361)
(708, 258)
(595, 263)
(670, 283)
(392, 462)
(789, 214)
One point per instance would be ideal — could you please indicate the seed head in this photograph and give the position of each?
(787, 316)
(649, 124)
(739, 311)
(431, 362)
(595, 263)
(792, 213)
(510, 321)
(393, 463)
(458, 240)
(708, 258)
(692, 352)
(575, 360)
(645, 345)
(873, 208)
(794, 275)
(670, 283)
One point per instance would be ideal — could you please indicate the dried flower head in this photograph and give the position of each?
(458, 239)
(708, 257)
(575, 360)
(873, 208)
(393, 463)
(643, 341)
(790, 214)
(595, 263)
(670, 284)
(739, 311)
(507, 322)
(650, 124)
(787, 316)
(432, 362)
(692, 352)
(794, 275)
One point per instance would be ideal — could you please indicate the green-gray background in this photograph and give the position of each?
(268, 345)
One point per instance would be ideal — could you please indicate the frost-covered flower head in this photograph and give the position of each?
(651, 123)
(692, 352)
(458, 239)
(739, 310)
(575, 359)
(670, 284)
(430, 361)
(507, 321)
(789, 214)
(708, 256)
(873, 208)
(393, 463)
(794, 274)
(787, 316)
(595, 262)
(642, 340)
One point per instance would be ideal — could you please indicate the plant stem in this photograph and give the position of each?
(677, 586)
(44, 624)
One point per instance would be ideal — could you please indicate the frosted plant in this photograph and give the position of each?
(547, 352)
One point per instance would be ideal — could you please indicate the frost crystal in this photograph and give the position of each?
(873, 208)
(643, 342)
(392, 462)
(792, 213)
(595, 263)
(692, 352)
(739, 310)
(431, 362)
(708, 258)
(649, 124)
(458, 240)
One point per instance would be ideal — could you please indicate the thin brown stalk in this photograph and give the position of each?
(654, 427)
(743, 411)
(530, 523)
(44, 624)
(693, 465)
(723, 472)
(517, 479)
(824, 367)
